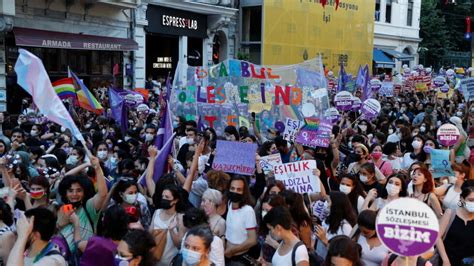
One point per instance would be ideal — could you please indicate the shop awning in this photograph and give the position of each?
(54, 39)
(381, 60)
(397, 55)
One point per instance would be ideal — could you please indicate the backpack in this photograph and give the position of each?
(63, 249)
(314, 259)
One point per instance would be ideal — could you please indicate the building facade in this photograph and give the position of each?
(195, 32)
(91, 38)
(396, 34)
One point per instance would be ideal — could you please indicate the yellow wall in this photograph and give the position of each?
(293, 26)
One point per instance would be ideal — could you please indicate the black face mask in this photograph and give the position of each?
(320, 156)
(357, 157)
(235, 197)
(165, 204)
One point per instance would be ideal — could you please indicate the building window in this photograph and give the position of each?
(377, 10)
(251, 34)
(410, 13)
(388, 11)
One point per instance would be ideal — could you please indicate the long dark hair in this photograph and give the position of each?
(343, 246)
(297, 208)
(247, 197)
(140, 243)
(356, 191)
(341, 209)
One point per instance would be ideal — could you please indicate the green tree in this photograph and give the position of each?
(434, 32)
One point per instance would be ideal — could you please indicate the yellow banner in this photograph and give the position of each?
(296, 30)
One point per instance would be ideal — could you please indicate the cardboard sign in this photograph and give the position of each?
(407, 227)
(235, 157)
(387, 89)
(267, 163)
(343, 100)
(440, 163)
(467, 86)
(298, 176)
(448, 135)
(291, 129)
(371, 109)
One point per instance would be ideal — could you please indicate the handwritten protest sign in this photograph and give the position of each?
(407, 227)
(467, 86)
(298, 176)
(440, 163)
(291, 129)
(235, 157)
(267, 163)
(386, 89)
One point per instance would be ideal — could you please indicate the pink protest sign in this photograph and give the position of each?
(448, 135)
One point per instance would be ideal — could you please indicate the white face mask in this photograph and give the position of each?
(416, 144)
(345, 189)
(469, 206)
(390, 131)
(191, 257)
(130, 198)
(363, 178)
(422, 129)
(190, 141)
(102, 155)
(72, 159)
(264, 213)
(363, 127)
(33, 133)
(459, 114)
(392, 190)
(148, 137)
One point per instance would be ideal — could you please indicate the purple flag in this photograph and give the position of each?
(360, 77)
(366, 89)
(342, 79)
(168, 88)
(118, 108)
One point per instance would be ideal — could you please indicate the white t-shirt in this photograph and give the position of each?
(344, 229)
(51, 260)
(374, 256)
(301, 254)
(170, 250)
(407, 161)
(396, 163)
(451, 198)
(238, 222)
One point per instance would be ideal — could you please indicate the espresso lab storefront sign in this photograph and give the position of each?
(176, 22)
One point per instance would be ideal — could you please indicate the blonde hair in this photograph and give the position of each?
(213, 195)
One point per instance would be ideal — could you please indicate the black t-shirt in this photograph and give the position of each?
(375, 185)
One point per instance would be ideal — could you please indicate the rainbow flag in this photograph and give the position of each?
(64, 88)
(85, 99)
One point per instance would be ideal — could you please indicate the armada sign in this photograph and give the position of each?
(56, 44)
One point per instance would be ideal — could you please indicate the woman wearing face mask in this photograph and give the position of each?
(79, 192)
(196, 247)
(340, 221)
(362, 154)
(364, 128)
(456, 232)
(430, 144)
(102, 151)
(423, 190)
(278, 222)
(35, 136)
(39, 193)
(373, 252)
(392, 151)
(267, 244)
(415, 154)
(368, 178)
(125, 193)
(76, 156)
(170, 211)
(211, 199)
(376, 155)
(241, 223)
(267, 148)
(135, 249)
(449, 193)
(394, 189)
(350, 186)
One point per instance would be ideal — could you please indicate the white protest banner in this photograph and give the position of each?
(298, 176)
(291, 129)
(267, 163)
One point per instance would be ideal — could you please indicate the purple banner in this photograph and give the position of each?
(235, 157)
(315, 138)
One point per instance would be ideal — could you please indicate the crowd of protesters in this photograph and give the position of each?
(61, 206)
